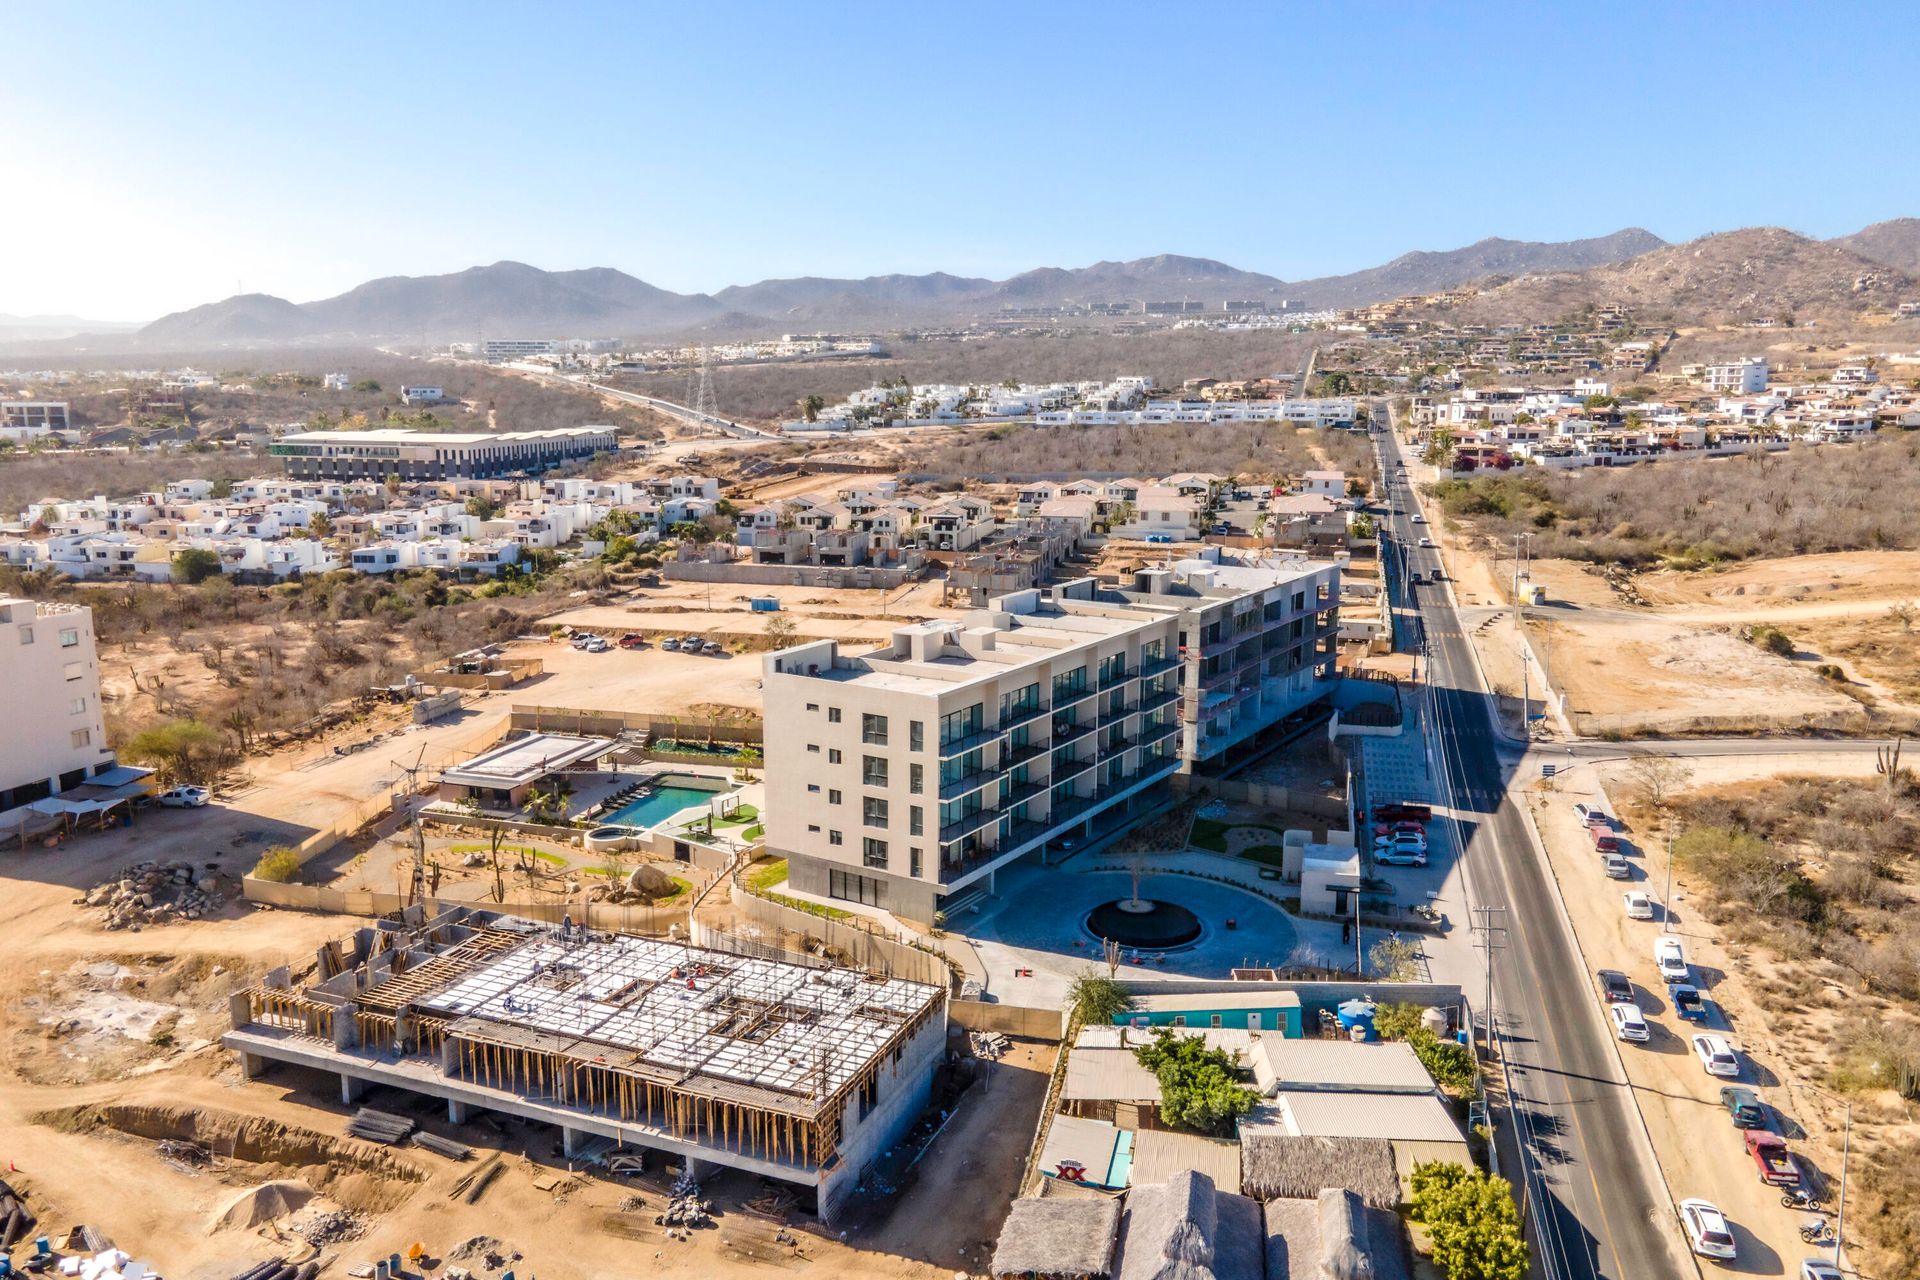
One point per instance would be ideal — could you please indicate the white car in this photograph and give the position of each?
(1707, 1229)
(1628, 1022)
(1418, 518)
(1592, 815)
(1717, 1055)
(184, 797)
(1426, 542)
(1815, 1269)
(1639, 905)
(1396, 857)
(1670, 958)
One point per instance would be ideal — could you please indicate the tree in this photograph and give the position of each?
(481, 507)
(194, 565)
(1472, 1221)
(181, 751)
(1904, 612)
(1200, 1088)
(279, 864)
(780, 630)
(1394, 959)
(366, 386)
(1657, 778)
(811, 406)
(319, 525)
(1096, 999)
(1439, 450)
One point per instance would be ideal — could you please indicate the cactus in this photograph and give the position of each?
(1886, 762)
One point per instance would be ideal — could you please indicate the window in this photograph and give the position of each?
(913, 863)
(813, 706)
(78, 706)
(26, 635)
(916, 820)
(1214, 1021)
(873, 853)
(813, 788)
(814, 827)
(1179, 1019)
(916, 735)
(834, 838)
(74, 671)
(873, 811)
(964, 723)
(814, 747)
(833, 755)
(850, 886)
(833, 715)
(69, 637)
(873, 771)
(833, 797)
(80, 737)
(916, 779)
(873, 729)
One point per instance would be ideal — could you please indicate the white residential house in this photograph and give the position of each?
(1744, 377)
(1325, 484)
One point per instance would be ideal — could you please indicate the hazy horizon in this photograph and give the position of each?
(191, 158)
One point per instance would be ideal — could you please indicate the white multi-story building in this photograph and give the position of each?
(22, 420)
(49, 701)
(904, 777)
(434, 455)
(1743, 377)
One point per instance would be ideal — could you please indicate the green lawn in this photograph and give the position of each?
(680, 887)
(1269, 855)
(1211, 833)
(510, 851)
(761, 876)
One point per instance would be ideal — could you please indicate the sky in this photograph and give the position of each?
(163, 156)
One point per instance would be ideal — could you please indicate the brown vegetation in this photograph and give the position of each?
(1263, 449)
(1702, 511)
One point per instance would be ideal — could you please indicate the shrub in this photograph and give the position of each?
(279, 864)
(1200, 1088)
(1472, 1221)
(181, 751)
(194, 565)
(1096, 998)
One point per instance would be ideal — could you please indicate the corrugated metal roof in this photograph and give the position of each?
(1374, 1067)
(1108, 1075)
(1394, 1116)
(1158, 1154)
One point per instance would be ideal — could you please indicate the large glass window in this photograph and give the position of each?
(916, 735)
(960, 766)
(963, 723)
(1069, 683)
(873, 811)
(873, 729)
(873, 771)
(873, 853)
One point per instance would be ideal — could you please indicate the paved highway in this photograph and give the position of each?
(1576, 1148)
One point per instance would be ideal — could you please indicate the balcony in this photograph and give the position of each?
(1012, 756)
(982, 817)
(1150, 734)
(1014, 717)
(1065, 733)
(1072, 697)
(1157, 666)
(1117, 714)
(1113, 678)
(1065, 769)
(960, 746)
(968, 782)
(1154, 701)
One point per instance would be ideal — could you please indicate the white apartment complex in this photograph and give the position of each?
(903, 777)
(436, 455)
(49, 701)
(1744, 377)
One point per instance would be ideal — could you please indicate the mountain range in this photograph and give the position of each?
(1731, 273)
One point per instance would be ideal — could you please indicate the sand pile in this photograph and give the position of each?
(265, 1203)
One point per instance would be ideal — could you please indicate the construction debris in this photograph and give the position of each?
(686, 1209)
(491, 1253)
(442, 1146)
(334, 1227)
(472, 1186)
(379, 1126)
(991, 1045)
(183, 1155)
(155, 893)
(16, 1220)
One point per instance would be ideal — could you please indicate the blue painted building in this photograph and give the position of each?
(1248, 1011)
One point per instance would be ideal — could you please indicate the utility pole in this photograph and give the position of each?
(418, 890)
(1840, 1217)
(1666, 897)
(1489, 936)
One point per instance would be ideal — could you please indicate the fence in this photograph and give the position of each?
(790, 575)
(611, 724)
(1267, 796)
(371, 903)
(1009, 1019)
(862, 944)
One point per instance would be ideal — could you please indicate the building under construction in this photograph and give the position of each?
(792, 1071)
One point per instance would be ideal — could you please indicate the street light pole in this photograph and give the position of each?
(1666, 898)
(1840, 1217)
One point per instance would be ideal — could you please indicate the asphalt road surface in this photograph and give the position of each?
(1576, 1148)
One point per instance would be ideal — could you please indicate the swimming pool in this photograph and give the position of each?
(657, 805)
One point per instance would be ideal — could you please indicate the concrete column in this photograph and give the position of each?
(252, 1065)
(698, 1169)
(456, 1111)
(569, 1140)
(352, 1089)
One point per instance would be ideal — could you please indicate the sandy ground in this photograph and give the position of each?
(127, 1021)
(1700, 1152)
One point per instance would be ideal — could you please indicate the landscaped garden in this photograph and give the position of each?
(1254, 841)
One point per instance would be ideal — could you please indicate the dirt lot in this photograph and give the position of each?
(1699, 1150)
(110, 1039)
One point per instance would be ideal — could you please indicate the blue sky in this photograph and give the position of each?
(181, 151)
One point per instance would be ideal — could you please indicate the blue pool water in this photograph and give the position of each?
(656, 806)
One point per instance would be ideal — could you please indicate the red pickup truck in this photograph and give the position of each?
(1770, 1155)
(1603, 841)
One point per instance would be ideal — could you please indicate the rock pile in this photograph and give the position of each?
(333, 1227)
(155, 893)
(685, 1210)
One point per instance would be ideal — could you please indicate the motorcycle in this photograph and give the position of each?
(1818, 1231)
(1802, 1199)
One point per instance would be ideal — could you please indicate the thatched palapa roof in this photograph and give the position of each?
(1058, 1238)
(1184, 1229)
(1274, 1165)
(1334, 1236)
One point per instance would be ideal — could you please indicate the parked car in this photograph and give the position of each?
(1770, 1155)
(1707, 1230)
(1628, 1022)
(633, 640)
(1816, 1269)
(1717, 1055)
(1639, 905)
(1592, 815)
(1426, 542)
(595, 644)
(670, 644)
(713, 648)
(1604, 841)
(690, 644)
(184, 797)
(1418, 518)
(1416, 838)
(1403, 811)
(1744, 1106)
(1615, 865)
(1221, 528)
(580, 639)
(1615, 987)
(1688, 1002)
(1159, 537)
(1670, 958)
(1393, 856)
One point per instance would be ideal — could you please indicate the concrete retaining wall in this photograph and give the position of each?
(1009, 1019)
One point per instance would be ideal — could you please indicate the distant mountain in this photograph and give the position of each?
(245, 317)
(512, 299)
(50, 328)
(1728, 277)
(1422, 272)
(1895, 243)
